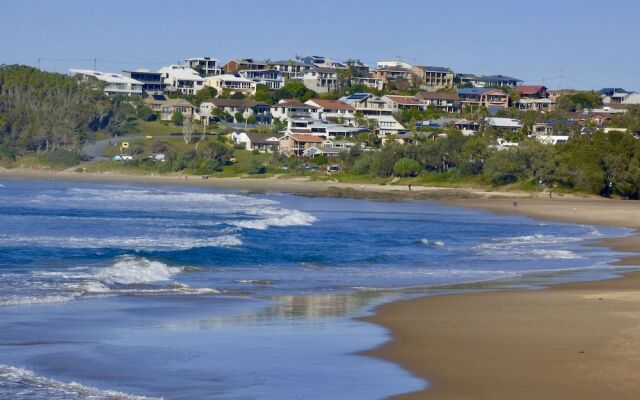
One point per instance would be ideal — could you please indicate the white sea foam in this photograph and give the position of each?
(128, 275)
(279, 218)
(140, 243)
(20, 383)
(132, 270)
(534, 246)
(427, 242)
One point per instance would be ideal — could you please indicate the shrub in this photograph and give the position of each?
(406, 167)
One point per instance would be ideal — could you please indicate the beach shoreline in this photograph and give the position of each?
(458, 342)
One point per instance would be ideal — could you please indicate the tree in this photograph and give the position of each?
(239, 117)
(177, 118)
(187, 131)
(406, 167)
(204, 94)
(145, 113)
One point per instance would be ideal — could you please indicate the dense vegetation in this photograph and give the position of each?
(44, 112)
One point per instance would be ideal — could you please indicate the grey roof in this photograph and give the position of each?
(497, 78)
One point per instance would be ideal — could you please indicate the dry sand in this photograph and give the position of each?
(572, 341)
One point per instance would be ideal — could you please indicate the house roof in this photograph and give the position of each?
(235, 103)
(160, 100)
(504, 122)
(530, 89)
(497, 78)
(299, 137)
(331, 104)
(106, 76)
(405, 100)
(452, 96)
(293, 103)
(181, 73)
(260, 138)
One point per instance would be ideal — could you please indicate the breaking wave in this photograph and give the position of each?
(126, 276)
(534, 246)
(276, 218)
(20, 383)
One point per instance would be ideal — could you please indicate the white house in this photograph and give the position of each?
(368, 104)
(256, 141)
(232, 83)
(270, 77)
(332, 110)
(368, 81)
(207, 66)
(387, 125)
(115, 83)
(182, 79)
(394, 64)
(291, 108)
(321, 80)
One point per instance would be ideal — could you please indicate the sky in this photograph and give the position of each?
(583, 44)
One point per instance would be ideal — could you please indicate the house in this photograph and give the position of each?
(532, 91)
(256, 141)
(632, 98)
(205, 66)
(551, 139)
(399, 103)
(295, 144)
(491, 80)
(389, 74)
(321, 62)
(393, 64)
(434, 77)
(165, 107)
(152, 82)
(367, 81)
(467, 127)
(504, 124)
(182, 79)
(446, 101)
(290, 69)
(483, 97)
(332, 110)
(551, 127)
(321, 150)
(234, 66)
(232, 84)
(291, 108)
(321, 79)
(368, 104)
(613, 95)
(272, 78)
(248, 108)
(114, 84)
(312, 126)
(387, 125)
(357, 67)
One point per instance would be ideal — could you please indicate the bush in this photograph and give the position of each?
(256, 167)
(407, 167)
(61, 158)
(177, 118)
(363, 165)
(146, 114)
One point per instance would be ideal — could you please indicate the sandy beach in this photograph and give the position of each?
(577, 340)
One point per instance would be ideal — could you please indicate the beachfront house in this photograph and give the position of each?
(265, 143)
(205, 66)
(152, 82)
(232, 84)
(295, 144)
(165, 107)
(433, 78)
(248, 108)
(287, 109)
(271, 78)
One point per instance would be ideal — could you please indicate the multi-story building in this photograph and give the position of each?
(182, 79)
(234, 66)
(321, 80)
(152, 82)
(332, 110)
(434, 77)
(270, 77)
(114, 84)
(287, 109)
(290, 69)
(399, 103)
(248, 108)
(534, 97)
(205, 66)
(446, 101)
(231, 83)
(368, 81)
(368, 104)
(489, 80)
(483, 97)
(165, 107)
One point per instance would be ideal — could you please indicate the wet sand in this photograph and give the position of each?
(572, 341)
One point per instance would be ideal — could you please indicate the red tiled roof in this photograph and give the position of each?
(307, 138)
(529, 89)
(332, 104)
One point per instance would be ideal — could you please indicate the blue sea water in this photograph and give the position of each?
(121, 291)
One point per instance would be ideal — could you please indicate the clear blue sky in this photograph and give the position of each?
(590, 44)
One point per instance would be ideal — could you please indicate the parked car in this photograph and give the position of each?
(333, 168)
(123, 157)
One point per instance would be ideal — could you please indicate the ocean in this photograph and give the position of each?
(115, 291)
